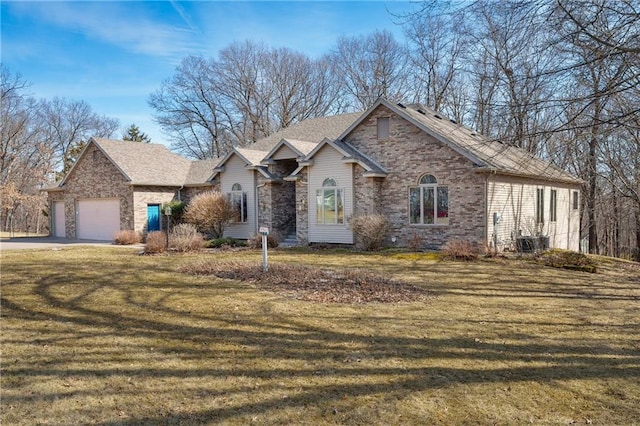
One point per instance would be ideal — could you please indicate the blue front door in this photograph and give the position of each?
(153, 217)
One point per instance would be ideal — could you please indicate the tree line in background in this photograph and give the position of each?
(558, 78)
(40, 139)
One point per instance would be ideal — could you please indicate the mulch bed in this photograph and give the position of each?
(314, 284)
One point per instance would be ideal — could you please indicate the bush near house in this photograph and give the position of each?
(156, 242)
(460, 250)
(370, 231)
(127, 237)
(566, 259)
(185, 237)
(211, 212)
(222, 242)
(177, 211)
(256, 241)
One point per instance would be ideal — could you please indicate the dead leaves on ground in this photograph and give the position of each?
(315, 284)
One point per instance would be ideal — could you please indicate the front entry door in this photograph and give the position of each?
(153, 217)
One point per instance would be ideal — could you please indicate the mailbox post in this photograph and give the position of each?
(167, 213)
(264, 231)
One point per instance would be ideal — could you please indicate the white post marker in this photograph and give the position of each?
(264, 231)
(167, 213)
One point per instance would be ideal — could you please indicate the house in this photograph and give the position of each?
(433, 179)
(118, 185)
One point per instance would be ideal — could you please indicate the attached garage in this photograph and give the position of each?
(98, 219)
(58, 219)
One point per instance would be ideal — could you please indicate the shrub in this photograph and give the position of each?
(220, 242)
(211, 212)
(185, 237)
(256, 241)
(156, 242)
(567, 260)
(370, 231)
(127, 237)
(415, 243)
(177, 211)
(459, 250)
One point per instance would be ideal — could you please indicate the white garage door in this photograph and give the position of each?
(58, 219)
(98, 219)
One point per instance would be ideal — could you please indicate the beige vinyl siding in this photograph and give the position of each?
(284, 153)
(327, 163)
(236, 172)
(514, 199)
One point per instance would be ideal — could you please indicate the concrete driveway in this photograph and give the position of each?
(27, 243)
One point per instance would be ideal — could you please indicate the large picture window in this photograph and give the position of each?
(429, 202)
(238, 200)
(330, 203)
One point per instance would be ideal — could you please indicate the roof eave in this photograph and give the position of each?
(491, 170)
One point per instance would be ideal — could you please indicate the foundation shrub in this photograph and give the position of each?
(211, 212)
(225, 242)
(460, 250)
(370, 231)
(566, 259)
(185, 237)
(256, 241)
(127, 237)
(156, 242)
(415, 243)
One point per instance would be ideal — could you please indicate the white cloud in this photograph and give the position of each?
(127, 25)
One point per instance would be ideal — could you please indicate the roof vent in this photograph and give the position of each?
(421, 111)
(437, 116)
(474, 134)
(402, 106)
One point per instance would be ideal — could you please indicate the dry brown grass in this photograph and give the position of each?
(103, 336)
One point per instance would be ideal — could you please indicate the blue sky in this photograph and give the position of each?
(114, 54)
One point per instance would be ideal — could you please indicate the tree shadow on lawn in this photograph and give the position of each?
(327, 354)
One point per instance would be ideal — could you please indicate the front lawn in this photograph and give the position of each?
(103, 336)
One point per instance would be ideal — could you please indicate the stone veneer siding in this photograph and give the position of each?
(302, 213)
(283, 198)
(94, 176)
(408, 154)
(145, 195)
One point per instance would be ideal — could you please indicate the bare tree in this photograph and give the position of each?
(246, 93)
(187, 109)
(68, 124)
(372, 66)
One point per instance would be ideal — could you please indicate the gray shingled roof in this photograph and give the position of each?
(311, 130)
(146, 163)
(486, 153)
(201, 171)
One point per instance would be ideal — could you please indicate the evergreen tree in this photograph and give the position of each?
(135, 135)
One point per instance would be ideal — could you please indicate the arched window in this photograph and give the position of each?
(238, 200)
(428, 202)
(330, 203)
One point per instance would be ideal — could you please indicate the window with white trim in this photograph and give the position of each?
(330, 203)
(429, 202)
(539, 205)
(238, 200)
(553, 206)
